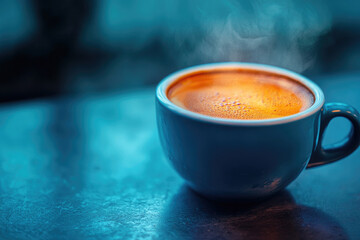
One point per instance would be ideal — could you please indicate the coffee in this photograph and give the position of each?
(240, 94)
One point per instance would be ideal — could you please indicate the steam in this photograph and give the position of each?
(282, 33)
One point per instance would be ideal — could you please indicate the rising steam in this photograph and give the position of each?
(282, 33)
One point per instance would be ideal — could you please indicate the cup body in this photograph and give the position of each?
(237, 159)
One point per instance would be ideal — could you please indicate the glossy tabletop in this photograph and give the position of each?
(92, 167)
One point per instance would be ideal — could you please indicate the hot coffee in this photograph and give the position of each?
(226, 158)
(240, 94)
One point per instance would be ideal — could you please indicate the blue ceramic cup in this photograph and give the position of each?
(249, 159)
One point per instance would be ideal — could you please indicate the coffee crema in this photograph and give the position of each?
(240, 94)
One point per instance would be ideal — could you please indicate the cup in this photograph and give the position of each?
(249, 159)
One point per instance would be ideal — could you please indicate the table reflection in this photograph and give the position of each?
(189, 215)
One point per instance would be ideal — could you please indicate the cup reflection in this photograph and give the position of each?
(190, 216)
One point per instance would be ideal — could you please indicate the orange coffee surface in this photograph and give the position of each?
(240, 94)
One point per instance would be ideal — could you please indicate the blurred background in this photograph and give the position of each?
(52, 48)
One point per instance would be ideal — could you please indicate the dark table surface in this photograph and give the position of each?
(92, 168)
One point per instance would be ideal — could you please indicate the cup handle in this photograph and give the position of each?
(331, 153)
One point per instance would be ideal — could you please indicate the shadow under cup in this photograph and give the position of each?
(248, 159)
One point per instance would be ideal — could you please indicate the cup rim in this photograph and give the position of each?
(161, 94)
